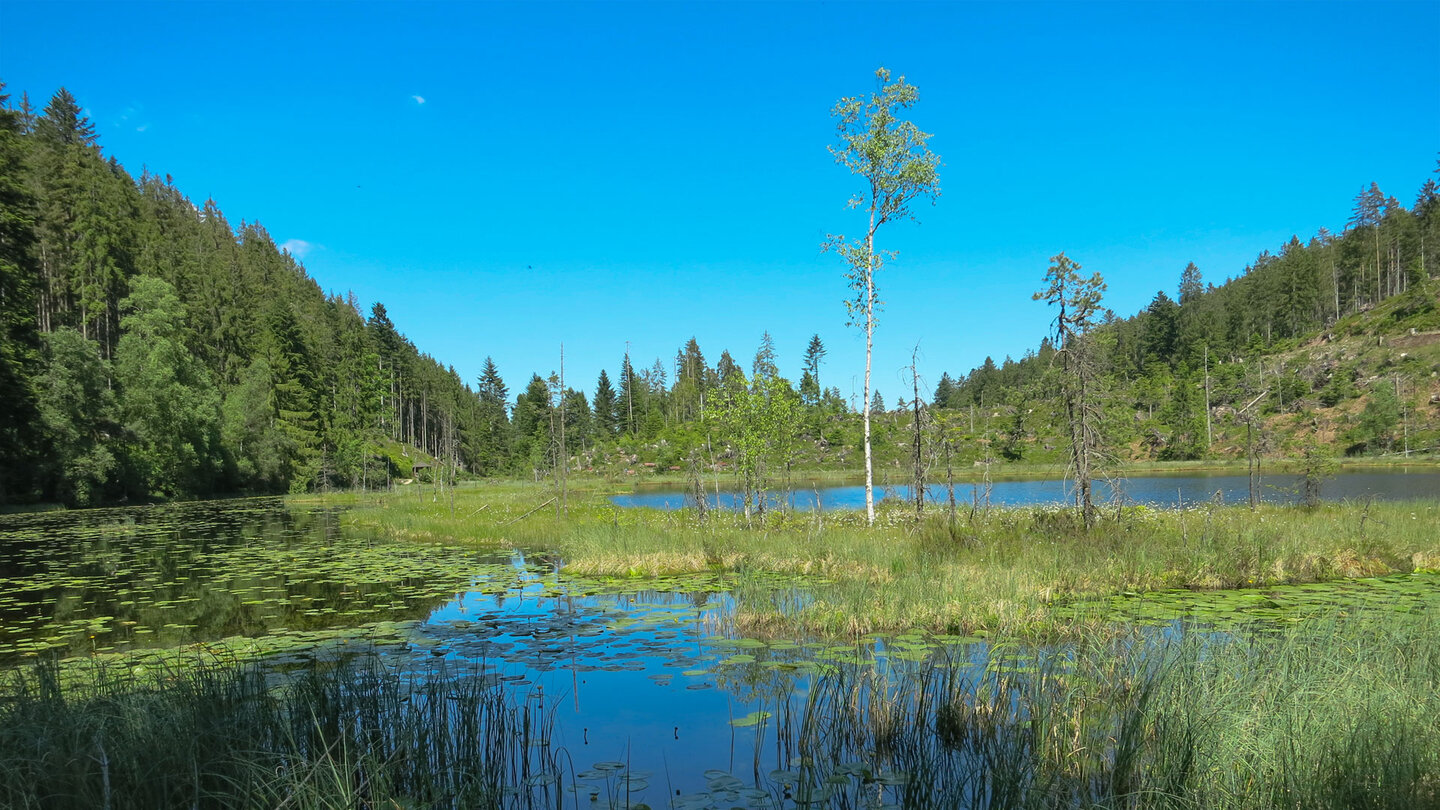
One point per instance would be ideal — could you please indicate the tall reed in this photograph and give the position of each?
(1339, 714)
(344, 735)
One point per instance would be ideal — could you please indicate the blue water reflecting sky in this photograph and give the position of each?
(1151, 490)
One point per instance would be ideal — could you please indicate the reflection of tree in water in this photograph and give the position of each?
(158, 576)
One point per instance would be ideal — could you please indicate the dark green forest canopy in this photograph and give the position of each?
(149, 348)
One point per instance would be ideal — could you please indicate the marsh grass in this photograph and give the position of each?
(327, 736)
(1328, 714)
(998, 571)
(1340, 713)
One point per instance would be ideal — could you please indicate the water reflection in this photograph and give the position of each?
(1167, 490)
(109, 580)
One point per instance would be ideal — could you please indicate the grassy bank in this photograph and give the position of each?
(1337, 713)
(1000, 571)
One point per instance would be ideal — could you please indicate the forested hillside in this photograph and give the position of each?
(1338, 332)
(149, 348)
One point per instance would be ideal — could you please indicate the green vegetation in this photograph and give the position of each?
(890, 153)
(955, 657)
(150, 350)
(1334, 713)
(999, 571)
(335, 736)
(1016, 668)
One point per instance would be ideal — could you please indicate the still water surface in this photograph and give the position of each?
(1167, 490)
(644, 684)
(648, 675)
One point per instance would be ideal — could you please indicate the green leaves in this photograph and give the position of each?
(889, 152)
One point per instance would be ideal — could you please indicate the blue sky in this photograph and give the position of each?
(505, 177)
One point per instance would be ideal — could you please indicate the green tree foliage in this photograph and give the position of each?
(945, 392)
(1184, 418)
(810, 390)
(533, 431)
(231, 369)
(77, 417)
(693, 381)
(604, 410)
(1220, 333)
(20, 361)
(728, 372)
(764, 367)
(1377, 423)
(630, 404)
(1160, 331)
(494, 421)
(149, 347)
(168, 403)
(760, 424)
(890, 153)
(1078, 301)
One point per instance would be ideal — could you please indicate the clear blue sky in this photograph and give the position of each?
(505, 177)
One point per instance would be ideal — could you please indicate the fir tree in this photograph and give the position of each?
(605, 407)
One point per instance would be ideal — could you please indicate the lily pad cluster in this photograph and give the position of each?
(101, 581)
(1270, 607)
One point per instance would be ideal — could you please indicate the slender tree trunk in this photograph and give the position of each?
(1209, 434)
(949, 482)
(1335, 276)
(869, 346)
(916, 454)
(564, 451)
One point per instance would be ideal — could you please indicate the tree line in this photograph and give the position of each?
(1203, 348)
(148, 348)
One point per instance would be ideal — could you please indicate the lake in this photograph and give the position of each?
(1163, 490)
(642, 683)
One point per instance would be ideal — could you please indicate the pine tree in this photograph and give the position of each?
(494, 424)
(63, 123)
(810, 377)
(763, 367)
(604, 407)
(728, 372)
(19, 340)
(630, 406)
(945, 392)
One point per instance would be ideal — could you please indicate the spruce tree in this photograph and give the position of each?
(494, 425)
(19, 339)
(604, 407)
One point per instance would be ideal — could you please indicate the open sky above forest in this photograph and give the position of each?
(508, 177)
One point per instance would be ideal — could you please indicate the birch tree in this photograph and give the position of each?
(891, 155)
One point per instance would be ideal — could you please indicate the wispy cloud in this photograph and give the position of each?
(297, 247)
(419, 99)
(133, 117)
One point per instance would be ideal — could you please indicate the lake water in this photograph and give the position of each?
(1166, 490)
(641, 683)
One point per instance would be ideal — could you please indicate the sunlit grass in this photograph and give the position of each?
(1334, 713)
(999, 571)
